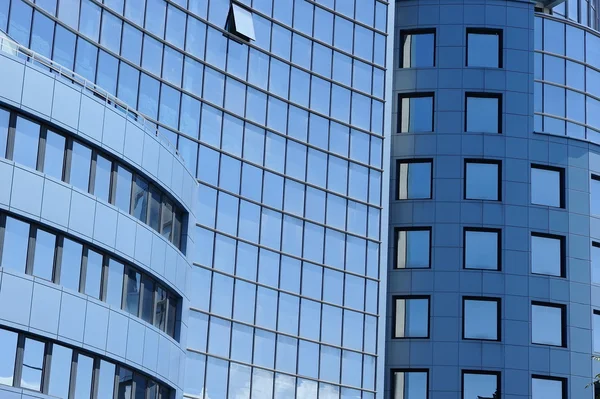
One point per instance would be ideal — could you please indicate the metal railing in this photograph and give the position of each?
(15, 49)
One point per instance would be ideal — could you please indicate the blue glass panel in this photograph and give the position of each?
(237, 59)
(134, 11)
(169, 106)
(42, 35)
(64, 47)
(172, 65)
(131, 44)
(19, 25)
(214, 83)
(175, 26)
(190, 116)
(25, 148)
(279, 78)
(152, 55)
(106, 76)
(155, 17)
(89, 24)
(258, 67)
(127, 89)
(85, 61)
(111, 32)
(216, 43)
(192, 76)
(323, 25)
(16, 241)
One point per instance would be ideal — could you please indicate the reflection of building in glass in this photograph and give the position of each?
(494, 201)
(194, 198)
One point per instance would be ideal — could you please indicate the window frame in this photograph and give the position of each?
(563, 253)
(561, 182)
(393, 372)
(596, 178)
(498, 317)
(401, 161)
(397, 230)
(416, 94)
(486, 31)
(483, 94)
(394, 308)
(498, 247)
(563, 322)
(565, 390)
(230, 25)
(496, 373)
(422, 31)
(490, 161)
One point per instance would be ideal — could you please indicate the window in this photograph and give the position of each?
(27, 137)
(547, 186)
(132, 291)
(93, 273)
(482, 248)
(483, 179)
(166, 219)
(484, 47)
(480, 384)
(81, 157)
(544, 387)
(596, 262)
(16, 242)
(70, 267)
(410, 383)
(481, 318)
(60, 371)
(483, 112)
(413, 248)
(595, 195)
(54, 154)
(596, 330)
(33, 363)
(8, 348)
(140, 198)
(43, 256)
(415, 179)
(240, 23)
(411, 317)
(548, 324)
(418, 48)
(123, 189)
(83, 376)
(415, 113)
(547, 254)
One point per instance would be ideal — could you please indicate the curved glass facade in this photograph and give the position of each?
(278, 108)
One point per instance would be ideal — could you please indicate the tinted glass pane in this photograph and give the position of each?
(412, 318)
(102, 178)
(114, 284)
(8, 348)
(595, 264)
(596, 330)
(160, 318)
(42, 35)
(546, 257)
(546, 389)
(4, 117)
(481, 250)
(16, 241)
(416, 114)
(155, 207)
(54, 155)
(43, 258)
(418, 50)
(414, 180)
(125, 381)
(70, 266)
(33, 362)
(482, 181)
(83, 381)
(545, 187)
(27, 137)
(172, 316)
(479, 386)
(413, 248)
(140, 198)
(81, 158)
(167, 219)
(148, 299)
(93, 274)
(546, 325)
(60, 371)
(480, 319)
(132, 293)
(20, 22)
(482, 114)
(410, 385)
(483, 50)
(123, 191)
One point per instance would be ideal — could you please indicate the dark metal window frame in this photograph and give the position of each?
(424, 31)
(409, 297)
(486, 31)
(497, 162)
(563, 322)
(561, 172)
(563, 253)
(419, 94)
(481, 372)
(565, 391)
(399, 162)
(481, 94)
(498, 317)
(483, 230)
(397, 230)
(407, 371)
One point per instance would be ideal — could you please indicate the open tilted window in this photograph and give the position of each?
(240, 23)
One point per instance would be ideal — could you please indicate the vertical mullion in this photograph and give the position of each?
(68, 161)
(58, 258)
(104, 277)
(124, 289)
(2, 229)
(19, 361)
(83, 269)
(93, 165)
(10, 144)
(42, 148)
(30, 249)
(72, 382)
(47, 369)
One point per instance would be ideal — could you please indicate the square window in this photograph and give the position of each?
(480, 384)
(483, 112)
(414, 179)
(481, 318)
(595, 195)
(418, 48)
(547, 254)
(411, 317)
(415, 112)
(410, 383)
(596, 262)
(482, 248)
(483, 179)
(413, 248)
(544, 387)
(548, 324)
(240, 22)
(547, 186)
(484, 48)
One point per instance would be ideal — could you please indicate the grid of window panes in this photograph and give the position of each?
(44, 253)
(50, 150)
(36, 364)
(581, 11)
(286, 134)
(567, 80)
